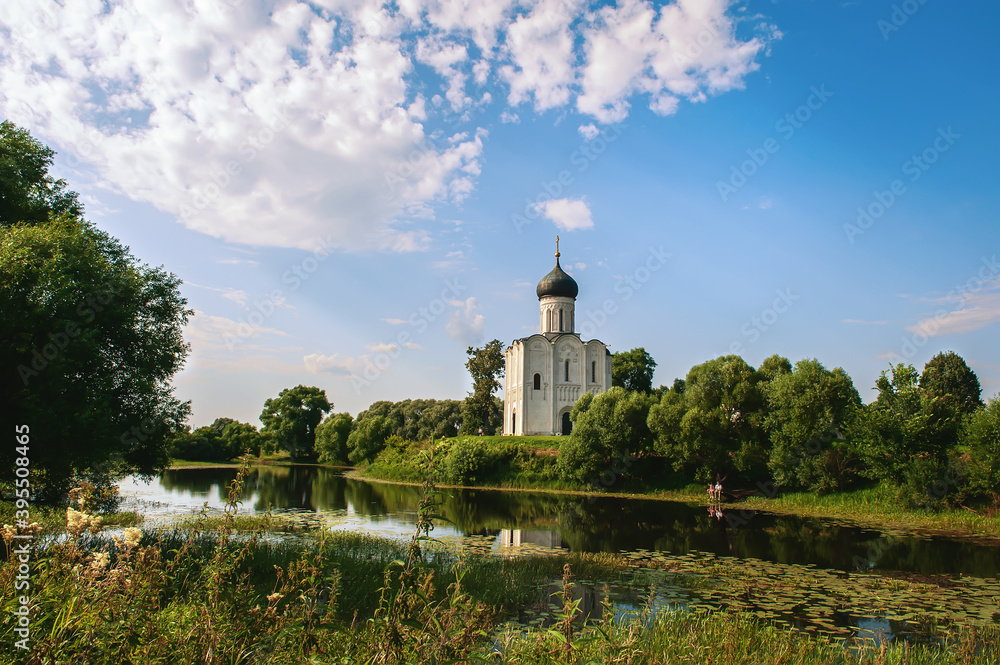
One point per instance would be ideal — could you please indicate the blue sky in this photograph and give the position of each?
(354, 192)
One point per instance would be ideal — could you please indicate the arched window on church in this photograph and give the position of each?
(567, 370)
(538, 381)
(560, 321)
(593, 371)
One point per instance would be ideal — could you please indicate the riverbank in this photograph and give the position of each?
(877, 507)
(873, 507)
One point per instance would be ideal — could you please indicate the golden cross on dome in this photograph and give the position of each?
(557, 247)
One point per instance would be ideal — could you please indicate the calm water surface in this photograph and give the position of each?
(603, 524)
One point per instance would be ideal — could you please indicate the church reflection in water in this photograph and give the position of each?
(518, 537)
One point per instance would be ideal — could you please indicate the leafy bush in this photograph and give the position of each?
(468, 461)
(613, 427)
(928, 482)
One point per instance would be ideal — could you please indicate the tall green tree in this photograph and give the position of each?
(948, 377)
(633, 370)
(716, 425)
(481, 409)
(292, 418)
(28, 193)
(981, 441)
(331, 438)
(808, 407)
(238, 438)
(368, 439)
(905, 427)
(92, 339)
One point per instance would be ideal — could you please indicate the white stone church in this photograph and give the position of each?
(546, 372)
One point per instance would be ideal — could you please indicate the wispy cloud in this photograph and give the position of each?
(465, 324)
(971, 309)
(234, 261)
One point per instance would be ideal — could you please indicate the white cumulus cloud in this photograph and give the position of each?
(568, 214)
(286, 123)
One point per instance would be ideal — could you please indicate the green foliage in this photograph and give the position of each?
(473, 460)
(481, 410)
(613, 428)
(633, 370)
(946, 376)
(664, 423)
(239, 438)
(715, 426)
(292, 418)
(204, 444)
(225, 439)
(419, 419)
(981, 440)
(368, 439)
(92, 339)
(331, 438)
(28, 194)
(581, 405)
(467, 461)
(807, 408)
(904, 423)
(774, 367)
(930, 482)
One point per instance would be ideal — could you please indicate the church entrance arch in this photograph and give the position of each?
(567, 426)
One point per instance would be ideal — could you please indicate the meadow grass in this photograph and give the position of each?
(723, 639)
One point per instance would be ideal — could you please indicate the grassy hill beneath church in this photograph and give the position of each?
(484, 461)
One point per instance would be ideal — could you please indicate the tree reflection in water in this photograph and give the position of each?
(607, 524)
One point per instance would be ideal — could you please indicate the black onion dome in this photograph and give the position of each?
(557, 283)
